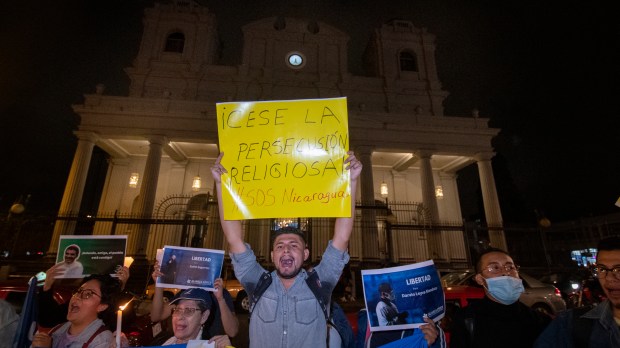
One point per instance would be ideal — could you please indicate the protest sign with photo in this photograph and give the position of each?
(284, 158)
(399, 298)
(81, 256)
(185, 268)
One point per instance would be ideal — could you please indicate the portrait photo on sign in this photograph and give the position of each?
(399, 298)
(81, 256)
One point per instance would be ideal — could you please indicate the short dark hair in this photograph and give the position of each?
(73, 247)
(110, 291)
(385, 287)
(609, 244)
(288, 230)
(487, 251)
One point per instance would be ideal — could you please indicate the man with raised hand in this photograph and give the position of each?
(288, 313)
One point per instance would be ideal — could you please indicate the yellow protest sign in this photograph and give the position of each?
(284, 158)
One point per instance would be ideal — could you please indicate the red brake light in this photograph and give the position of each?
(557, 292)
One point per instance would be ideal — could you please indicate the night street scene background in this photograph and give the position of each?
(544, 73)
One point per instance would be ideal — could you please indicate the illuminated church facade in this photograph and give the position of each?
(163, 135)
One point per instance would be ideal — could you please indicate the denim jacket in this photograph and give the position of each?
(288, 317)
(605, 332)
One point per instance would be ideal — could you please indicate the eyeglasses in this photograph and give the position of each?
(184, 312)
(496, 268)
(85, 294)
(602, 271)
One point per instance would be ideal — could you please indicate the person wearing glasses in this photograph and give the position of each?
(499, 319)
(221, 321)
(597, 326)
(52, 312)
(90, 308)
(190, 310)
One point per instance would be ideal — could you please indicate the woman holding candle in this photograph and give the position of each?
(90, 303)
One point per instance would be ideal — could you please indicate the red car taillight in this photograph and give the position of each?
(557, 292)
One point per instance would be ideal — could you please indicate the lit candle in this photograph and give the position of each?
(119, 323)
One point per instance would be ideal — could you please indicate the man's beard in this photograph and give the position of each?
(288, 276)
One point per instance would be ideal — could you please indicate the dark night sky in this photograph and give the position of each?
(546, 75)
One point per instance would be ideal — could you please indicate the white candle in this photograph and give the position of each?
(119, 323)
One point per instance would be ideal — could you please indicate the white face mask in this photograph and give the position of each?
(505, 289)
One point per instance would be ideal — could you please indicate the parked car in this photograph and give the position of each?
(537, 295)
(14, 291)
(239, 295)
(578, 287)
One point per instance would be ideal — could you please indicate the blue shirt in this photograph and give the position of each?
(605, 332)
(288, 317)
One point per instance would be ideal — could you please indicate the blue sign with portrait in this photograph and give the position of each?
(185, 268)
(399, 298)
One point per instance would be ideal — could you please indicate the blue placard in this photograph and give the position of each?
(398, 298)
(185, 268)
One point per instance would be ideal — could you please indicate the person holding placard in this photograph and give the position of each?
(90, 308)
(222, 319)
(288, 314)
(190, 310)
(50, 311)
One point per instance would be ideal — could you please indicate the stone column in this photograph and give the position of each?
(427, 185)
(370, 241)
(148, 189)
(490, 200)
(113, 189)
(72, 197)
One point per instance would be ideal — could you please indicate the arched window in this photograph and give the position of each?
(408, 61)
(175, 43)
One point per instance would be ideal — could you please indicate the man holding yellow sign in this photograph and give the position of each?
(288, 313)
(288, 159)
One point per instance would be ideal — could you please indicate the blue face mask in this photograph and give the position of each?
(506, 290)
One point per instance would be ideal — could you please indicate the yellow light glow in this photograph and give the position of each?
(196, 183)
(384, 189)
(439, 192)
(122, 308)
(133, 180)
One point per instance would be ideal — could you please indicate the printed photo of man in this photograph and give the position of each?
(387, 312)
(169, 269)
(71, 266)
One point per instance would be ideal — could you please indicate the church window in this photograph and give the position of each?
(408, 61)
(175, 43)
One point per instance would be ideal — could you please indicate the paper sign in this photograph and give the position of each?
(85, 255)
(185, 268)
(399, 298)
(284, 158)
(200, 344)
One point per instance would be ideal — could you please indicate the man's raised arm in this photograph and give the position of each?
(344, 226)
(232, 228)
